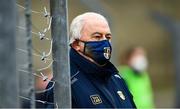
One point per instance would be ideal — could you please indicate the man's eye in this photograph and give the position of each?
(108, 38)
(97, 37)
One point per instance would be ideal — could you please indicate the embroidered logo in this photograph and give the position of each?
(116, 75)
(107, 52)
(96, 99)
(121, 95)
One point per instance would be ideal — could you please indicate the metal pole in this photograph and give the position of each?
(31, 79)
(61, 68)
(8, 76)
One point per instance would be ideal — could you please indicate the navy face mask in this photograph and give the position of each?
(99, 51)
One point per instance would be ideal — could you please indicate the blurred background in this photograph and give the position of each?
(152, 24)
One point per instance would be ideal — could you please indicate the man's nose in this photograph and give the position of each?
(104, 37)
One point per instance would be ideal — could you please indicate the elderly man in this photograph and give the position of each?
(95, 82)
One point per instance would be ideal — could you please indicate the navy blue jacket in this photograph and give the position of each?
(95, 87)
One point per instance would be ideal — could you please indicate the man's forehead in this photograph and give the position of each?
(96, 27)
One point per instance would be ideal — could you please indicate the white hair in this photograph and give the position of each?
(78, 23)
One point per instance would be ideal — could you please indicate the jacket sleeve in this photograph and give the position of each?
(49, 96)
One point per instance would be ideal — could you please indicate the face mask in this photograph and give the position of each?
(99, 51)
(139, 63)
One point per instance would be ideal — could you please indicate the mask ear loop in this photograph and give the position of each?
(84, 50)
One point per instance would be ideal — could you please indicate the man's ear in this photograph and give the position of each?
(76, 45)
